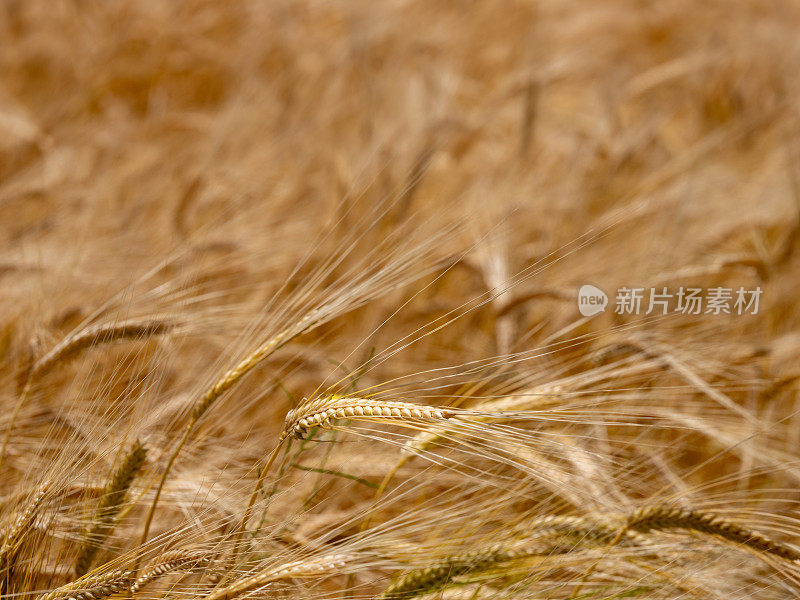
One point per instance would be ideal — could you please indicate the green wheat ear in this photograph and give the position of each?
(110, 504)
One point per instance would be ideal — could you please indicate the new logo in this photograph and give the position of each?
(591, 300)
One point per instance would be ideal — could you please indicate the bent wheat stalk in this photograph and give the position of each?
(226, 382)
(113, 498)
(104, 333)
(550, 535)
(661, 517)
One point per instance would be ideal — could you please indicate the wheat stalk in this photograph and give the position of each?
(104, 333)
(113, 498)
(439, 575)
(565, 533)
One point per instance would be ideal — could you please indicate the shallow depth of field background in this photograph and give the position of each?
(221, 144)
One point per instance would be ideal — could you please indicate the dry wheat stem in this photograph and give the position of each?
(237, 537)
(113, 498)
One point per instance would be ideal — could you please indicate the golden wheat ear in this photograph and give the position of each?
(111, 503)
(320, 413)
(438, 576)
(175, 561)
(91, 588)
(662, 517)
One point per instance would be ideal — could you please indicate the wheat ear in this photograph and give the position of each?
(661, 517)
(72, 345)
(298, 568)
(320, 413)
(21, 527)
(442, 573)
(104, 333)
(91, 588)
(170, 562)
(113, 498)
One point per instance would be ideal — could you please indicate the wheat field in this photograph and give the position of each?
(293, 299)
